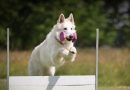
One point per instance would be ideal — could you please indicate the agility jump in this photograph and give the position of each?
(86, 82)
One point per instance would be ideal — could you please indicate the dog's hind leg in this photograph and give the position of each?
(52, 70)
(34, 69)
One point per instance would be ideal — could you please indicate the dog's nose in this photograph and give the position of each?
(71, 36)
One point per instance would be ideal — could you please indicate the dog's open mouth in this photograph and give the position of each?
(69, 39)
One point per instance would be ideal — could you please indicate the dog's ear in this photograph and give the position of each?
(61, 18)
(71, 18)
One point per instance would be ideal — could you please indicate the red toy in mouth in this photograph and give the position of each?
(72, 38)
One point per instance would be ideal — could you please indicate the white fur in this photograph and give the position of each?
(51, 54)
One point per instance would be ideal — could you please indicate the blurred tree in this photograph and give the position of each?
(118, 14)
(31, 20)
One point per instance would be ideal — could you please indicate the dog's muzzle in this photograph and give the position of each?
(72, 37)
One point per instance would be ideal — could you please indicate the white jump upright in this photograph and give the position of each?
(83, 82)
(8, 57)
(97, 57)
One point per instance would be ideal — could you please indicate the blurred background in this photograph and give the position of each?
(30, 21)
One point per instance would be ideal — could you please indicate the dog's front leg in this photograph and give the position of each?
(69, 54)
(64, 52)
(72, 54)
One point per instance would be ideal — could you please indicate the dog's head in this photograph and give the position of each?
(66, 29)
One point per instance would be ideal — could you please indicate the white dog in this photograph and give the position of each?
(56, 49)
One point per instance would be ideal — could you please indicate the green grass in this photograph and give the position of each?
(2, 64)
(3, 84)
(3, 70)
(114, 88)
(114, 66)
(19, 61)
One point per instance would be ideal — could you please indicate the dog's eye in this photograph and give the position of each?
(65, 28)
(71, 28)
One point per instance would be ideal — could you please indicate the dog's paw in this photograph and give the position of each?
(73, 56)
(73, 50)
(65, 52)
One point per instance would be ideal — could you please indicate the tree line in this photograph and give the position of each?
(30, 21)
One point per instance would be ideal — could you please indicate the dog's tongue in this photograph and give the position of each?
(62, 37)
(75, 37)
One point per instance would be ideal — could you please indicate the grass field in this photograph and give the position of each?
(3, 84)
(114, 66)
